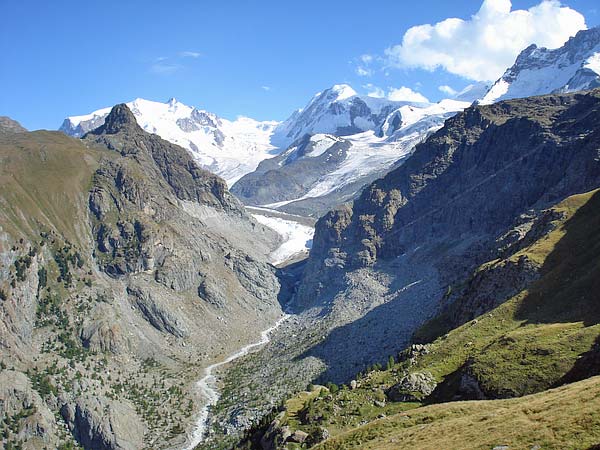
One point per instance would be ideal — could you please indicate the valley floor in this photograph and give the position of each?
(208, 386)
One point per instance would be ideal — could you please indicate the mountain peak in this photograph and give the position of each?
(9, 125)
(119, 119)
(539, 70)
(343, 91)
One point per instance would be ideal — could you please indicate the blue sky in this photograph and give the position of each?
(259, 59)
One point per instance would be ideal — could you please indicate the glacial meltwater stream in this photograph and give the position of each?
(208, 389)
(296, 239)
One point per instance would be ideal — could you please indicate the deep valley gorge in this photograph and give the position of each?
(373, 272)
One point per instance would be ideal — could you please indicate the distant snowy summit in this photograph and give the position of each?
(228, 148)
(338, 110)
(233, 149)
(376, 132)
(573, 67)
(337, 144)
(341, 111)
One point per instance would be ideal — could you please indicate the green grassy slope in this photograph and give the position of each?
(531, 341)
(563, 418)
(542, 337)
(44, 180)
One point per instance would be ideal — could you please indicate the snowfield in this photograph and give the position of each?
(296, 238)
(230, 149)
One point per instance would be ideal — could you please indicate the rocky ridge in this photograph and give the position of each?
(440, 237)
(9, 125)
(129, 273)
(227, 148)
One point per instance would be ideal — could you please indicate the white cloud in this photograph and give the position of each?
(447, 90)
(190, 54)
(363, 68)
(401, 94)
(166, 65)
(266, 88)
(163, 66)
(482, 47)
(363, 72)
(366, 59)
(406, 94)
(374, 91)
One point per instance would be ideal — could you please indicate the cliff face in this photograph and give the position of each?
(487, 166)
(488, 344)
(464, 194)
(125, 269)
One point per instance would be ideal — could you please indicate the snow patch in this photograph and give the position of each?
(297, 238)
(230, 149)
(593, 63)
(76, 120)
(343, 91)
(321, 143)
(499, 89)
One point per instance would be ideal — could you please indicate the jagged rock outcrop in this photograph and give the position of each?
(428, 224)
(157, 312)
(8, 125)
(102, 332)
(177, 169)
(98, 423)
(412, 387)
(121, 279)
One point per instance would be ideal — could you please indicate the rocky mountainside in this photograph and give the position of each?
(429, 223)
(320, 171)
(125, 269)
(464, 228)
(7, 125)
(502, 260)
(422, 198)
(228, 148)
(573, 67)
(520, 325)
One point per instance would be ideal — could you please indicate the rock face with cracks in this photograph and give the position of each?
(125, 269)
(381, 266)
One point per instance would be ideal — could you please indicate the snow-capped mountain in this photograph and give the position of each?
(573, 67)
(228, 148)
(319, 171)
(472, 92)
(410, 119)
(338, 110)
